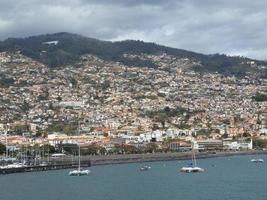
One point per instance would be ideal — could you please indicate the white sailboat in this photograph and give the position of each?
(79, 171)
(10, 162)
(257, 160)
(193, 166)
(144, 167)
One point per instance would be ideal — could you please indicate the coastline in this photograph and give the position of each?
(88, 161)
(153, 157)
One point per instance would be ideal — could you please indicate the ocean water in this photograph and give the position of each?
(233, 178)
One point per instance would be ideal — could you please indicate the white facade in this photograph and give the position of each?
(236, 145)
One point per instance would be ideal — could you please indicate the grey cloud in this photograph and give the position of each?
(235, 27)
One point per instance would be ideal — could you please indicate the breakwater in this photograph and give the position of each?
(151, 157)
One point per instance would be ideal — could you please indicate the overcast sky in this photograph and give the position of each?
(234, 27)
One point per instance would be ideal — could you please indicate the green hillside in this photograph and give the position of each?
(71, 46)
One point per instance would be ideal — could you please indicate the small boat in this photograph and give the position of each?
(14, 165)
(79, 171)
(191, 169)
(145, 168)
(192, 166)
(257, 160)
(43, 164)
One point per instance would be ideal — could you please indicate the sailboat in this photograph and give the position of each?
(192, 167)
(7, 159)
(144, 167)
(79, 171)
(257, 160)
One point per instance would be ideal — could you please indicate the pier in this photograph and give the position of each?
(56, 165)
(38, 168)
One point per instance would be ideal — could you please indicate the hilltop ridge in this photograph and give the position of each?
(70, 47)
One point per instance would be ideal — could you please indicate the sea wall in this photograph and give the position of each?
(132, 158)
(87, 161)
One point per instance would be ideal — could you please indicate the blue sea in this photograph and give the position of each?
(233, 178)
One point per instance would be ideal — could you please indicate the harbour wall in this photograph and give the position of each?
(87, 161)
(151, 157)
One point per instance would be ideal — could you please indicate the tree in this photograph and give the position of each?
(260, 97)
(163, 124)
(246, 134)
(102, 151)
(90, 150)
(48, 148)
(43, 96)
(105, 134)
(259, 143)
(25, 106)
(59, 98)
(205, 132)
(59, 127)
(73, 81)
(39, 133)
(130, 149)
(155, 127)
(167, 109)
(2, 148)
(151, 148)
(69, 148)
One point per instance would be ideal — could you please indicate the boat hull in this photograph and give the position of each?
(79, 173)
(191, 169)
(145, 168)
(257, 160)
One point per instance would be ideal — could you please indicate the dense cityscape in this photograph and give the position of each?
(108, 107)
(133, 100)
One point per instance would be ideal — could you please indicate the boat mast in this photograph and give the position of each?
(194, 162)
(79, 167)
(6, 146)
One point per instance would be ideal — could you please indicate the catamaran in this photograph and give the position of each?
(79, 171)
(145, 168)
(192, 167)
(257, 160)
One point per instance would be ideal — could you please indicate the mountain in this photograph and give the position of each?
(59, 49)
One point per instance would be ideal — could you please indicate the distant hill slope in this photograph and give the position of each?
(71, 46)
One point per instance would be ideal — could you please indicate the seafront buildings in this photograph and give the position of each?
(170, 106)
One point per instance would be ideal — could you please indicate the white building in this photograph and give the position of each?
(237, 145)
